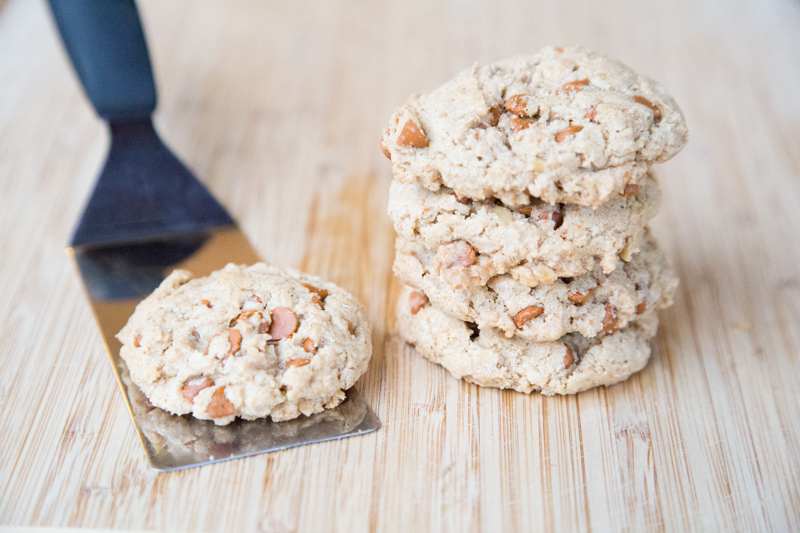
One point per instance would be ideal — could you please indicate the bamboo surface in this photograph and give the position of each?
(278, 106)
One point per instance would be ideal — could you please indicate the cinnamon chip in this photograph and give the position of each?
(234, 340)
(574, 86)
(653, 107)
(610, 324)
(193, 386)
(569, 358)
(466, 258)
(631, 189)
(412, 135)
(245, 316)
(284, 323)
(308, 346)
(562, 135)
(220, 406)
(518, 104)
(519, 124)
(529, 313)
(322, 293)
(417, 300)
(580, 298)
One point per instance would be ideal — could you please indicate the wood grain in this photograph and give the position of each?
(278, 107)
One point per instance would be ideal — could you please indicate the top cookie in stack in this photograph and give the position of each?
(564, 126)
(521, 196)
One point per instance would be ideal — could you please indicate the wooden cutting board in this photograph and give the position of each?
(278, 107)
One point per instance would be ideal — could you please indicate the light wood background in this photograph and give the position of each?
(278, 106)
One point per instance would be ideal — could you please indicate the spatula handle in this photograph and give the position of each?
(105, 41)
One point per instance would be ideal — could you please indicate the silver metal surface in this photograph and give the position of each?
(176, 442)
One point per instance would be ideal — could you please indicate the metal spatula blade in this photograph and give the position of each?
(147, 216)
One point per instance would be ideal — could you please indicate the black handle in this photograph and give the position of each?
(105, 40)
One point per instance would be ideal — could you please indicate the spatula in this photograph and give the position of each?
(147, 216)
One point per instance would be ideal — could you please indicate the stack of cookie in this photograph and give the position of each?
(521, 196)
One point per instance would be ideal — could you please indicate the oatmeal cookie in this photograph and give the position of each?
(566, 125)
(536, 243)
(246, 342)
(588, 304)
(488, 358)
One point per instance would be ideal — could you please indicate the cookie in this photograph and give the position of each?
(488, 358)
(246, 342)
(566, 125)
(588, 304)
(535, 243)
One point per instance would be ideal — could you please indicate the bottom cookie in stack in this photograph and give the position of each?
(571, 364)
